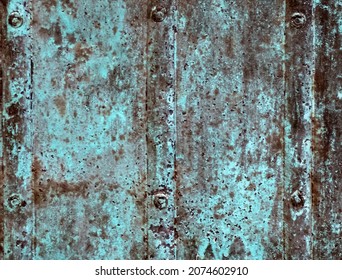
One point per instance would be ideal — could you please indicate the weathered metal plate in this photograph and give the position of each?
(327, 132)
(85, 133)
(230, 130)
(138, 129)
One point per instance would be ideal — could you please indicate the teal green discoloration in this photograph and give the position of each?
(16, 133)
(90, 143)
(230, 130)
(161, 131)
(85, 120)
(227, 109)
(298, 131)
(327, 134)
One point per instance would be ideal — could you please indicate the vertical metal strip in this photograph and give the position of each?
(298, 126)
(17, 195)
(161, 129)
(2, 62)
(327, 132)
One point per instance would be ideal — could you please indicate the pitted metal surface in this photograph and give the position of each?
(154, 129)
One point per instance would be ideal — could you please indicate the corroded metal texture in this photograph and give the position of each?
(327, 132)
(229, 128)
(161, 128)
(171, 129)
(299, 68)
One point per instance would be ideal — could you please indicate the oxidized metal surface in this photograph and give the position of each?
(230, 130)
(17, 214)
(299, 68)
(85, 154)
(154, 129)
(161, 128)
(89, 167)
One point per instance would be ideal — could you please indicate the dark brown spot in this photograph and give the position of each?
(14, 110)
(82, 53)
(71, 38)
(190, 249)
(60, 104)
(36, 170)
(49, 4)
(275, 142)
(21, 243)
(45, 193)
(138, 251)
(229, 44)
(237, 250)
(209, 253)
(97, 24)
(165, 232)
(103, 197)
(57, 34)
(70, 6)
(251, 187)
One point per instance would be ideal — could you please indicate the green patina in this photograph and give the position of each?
(228, 110)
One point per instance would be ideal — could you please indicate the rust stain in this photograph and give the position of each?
(275, 142)
(97, 24)
(251, 187)
(54, 31)
(190, 249)
(82, 52)
(237, 250)
(70, 6)
(45, 193)
(71, 38)
(219, 152)
(60, 104)
(229, 44)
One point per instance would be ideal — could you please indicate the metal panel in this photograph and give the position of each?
(137, 129)
(87, 132)
(230, 130)
(89, 142)
(327, 132)
(161, 129)
(16, 133)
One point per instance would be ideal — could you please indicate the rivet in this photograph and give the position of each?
(297, 199)
(158, 13)
(160, 201)
(14, 201)
(298, 20)
(15, 20)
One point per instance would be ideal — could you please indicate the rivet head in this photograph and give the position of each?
(297, 199)
(15, 201)
(160, 201)
(158, 13)
(298, 20)
(15, 20)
